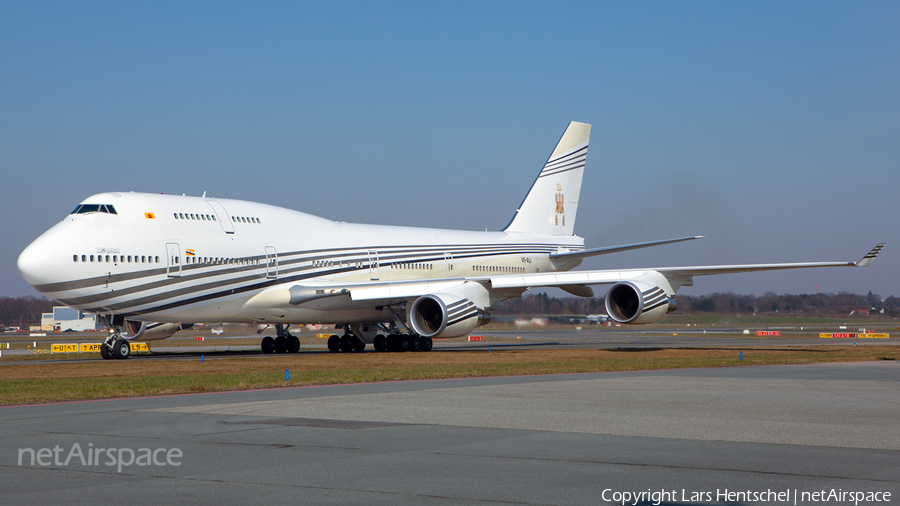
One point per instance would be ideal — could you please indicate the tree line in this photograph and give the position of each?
(23, 311)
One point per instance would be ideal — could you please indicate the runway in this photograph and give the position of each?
(562, 439)
(529, 340)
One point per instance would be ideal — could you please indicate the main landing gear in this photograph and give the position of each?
(114, 346)
(391, 342)
(285, 342)
(346, 343)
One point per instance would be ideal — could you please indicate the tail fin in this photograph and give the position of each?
(550, 206)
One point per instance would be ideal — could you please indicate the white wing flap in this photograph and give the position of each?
(401, 289)
(563, 278)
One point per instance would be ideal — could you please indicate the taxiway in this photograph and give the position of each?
(563, 439)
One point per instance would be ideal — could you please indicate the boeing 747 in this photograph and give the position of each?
(150, 265)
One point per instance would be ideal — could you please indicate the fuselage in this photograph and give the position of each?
(175, 258)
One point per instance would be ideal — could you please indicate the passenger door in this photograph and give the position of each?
(374, 273)
(173, 263)
(222, 215)
(448, 259)
(271, 263)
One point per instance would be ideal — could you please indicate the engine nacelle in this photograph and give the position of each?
(445, 315)
(636, 302)
(143, 331)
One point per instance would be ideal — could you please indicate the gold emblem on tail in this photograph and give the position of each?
(560, 209)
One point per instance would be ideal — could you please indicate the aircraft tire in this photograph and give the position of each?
(393, 343)
(380, 343)
(427, 344)
(121, 349)
(105, 353)
(415, 343)
(334, 344)
(293, 344)
(267, 344)
(359, 345)
(404, 343)
(346, 343)
(280, 344)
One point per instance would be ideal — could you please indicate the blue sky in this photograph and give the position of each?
(772, 128)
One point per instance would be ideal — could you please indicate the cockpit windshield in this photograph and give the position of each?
(94, 208)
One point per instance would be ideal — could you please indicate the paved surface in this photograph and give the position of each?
(587, 339)
(566, 439)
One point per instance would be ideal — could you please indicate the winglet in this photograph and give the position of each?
(866, 260)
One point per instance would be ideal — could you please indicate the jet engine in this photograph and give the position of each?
(445, 315)
(636, 302)
(143, 331)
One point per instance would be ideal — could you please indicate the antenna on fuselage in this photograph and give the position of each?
(203, 196)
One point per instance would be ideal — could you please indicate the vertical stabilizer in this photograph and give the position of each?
(550, 206)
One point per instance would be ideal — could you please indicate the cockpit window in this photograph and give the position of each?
(87, 208)
(94, 208)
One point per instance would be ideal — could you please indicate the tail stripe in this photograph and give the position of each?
(582, 151)
(568, 163)
(559, 159)
(565, 163)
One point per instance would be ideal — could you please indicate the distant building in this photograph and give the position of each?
(65, 318)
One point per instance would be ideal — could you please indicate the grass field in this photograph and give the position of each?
(52, 382)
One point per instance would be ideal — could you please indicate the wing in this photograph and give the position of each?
(511, 285)
(455, 306)
(677, 276)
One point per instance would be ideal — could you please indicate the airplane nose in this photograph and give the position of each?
(34, 263)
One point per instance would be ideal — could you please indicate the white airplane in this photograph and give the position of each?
(150, 265)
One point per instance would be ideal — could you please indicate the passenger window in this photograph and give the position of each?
(83, 258)
(157, 259)
(92, 258)
(107, 258)
(74, 258)
(129, 258)
(143, 259)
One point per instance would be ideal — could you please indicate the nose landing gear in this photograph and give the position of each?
(114, 346)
